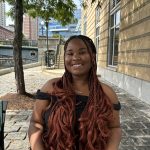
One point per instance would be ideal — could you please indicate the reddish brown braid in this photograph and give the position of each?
(94, 130)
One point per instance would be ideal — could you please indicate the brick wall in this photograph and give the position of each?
(5, 34)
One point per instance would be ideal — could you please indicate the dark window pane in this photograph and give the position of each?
(110, 54)
(97, 31)
(97, 37)
(116, 42)
(112, 20)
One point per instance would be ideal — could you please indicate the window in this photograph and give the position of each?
(85, 25)
(114, 3)
(114, 35)
(97, 24)
(97, 14)
(97, 37)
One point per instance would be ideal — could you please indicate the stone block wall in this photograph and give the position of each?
(134, 50)
(134, 36)
(133, 70)
(89, 11)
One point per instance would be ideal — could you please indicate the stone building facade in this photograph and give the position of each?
(5, 34)
(121, 32)
(30, 27)
(29, 55)
(53, 45)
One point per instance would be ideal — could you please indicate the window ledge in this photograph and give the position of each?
(113, 68)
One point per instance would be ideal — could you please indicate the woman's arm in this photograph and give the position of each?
(115, 136)
(36, 125)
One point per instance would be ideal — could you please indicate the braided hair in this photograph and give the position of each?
(94, 120)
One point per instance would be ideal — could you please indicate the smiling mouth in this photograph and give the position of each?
(77, 65)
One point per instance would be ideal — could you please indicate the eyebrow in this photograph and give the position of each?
(82, 48)
(78, 49)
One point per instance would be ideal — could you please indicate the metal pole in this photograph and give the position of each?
(47, 33)
(47, 41)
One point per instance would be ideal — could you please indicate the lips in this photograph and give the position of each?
(77, 65)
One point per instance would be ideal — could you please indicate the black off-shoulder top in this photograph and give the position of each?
(81, 101)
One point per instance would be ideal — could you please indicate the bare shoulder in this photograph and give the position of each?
(40, 105)
(48, 86)
(110, 93)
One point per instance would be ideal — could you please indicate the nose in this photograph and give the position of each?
(76, 56)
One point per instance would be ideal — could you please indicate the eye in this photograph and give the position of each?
(69, 53)
(82, 52)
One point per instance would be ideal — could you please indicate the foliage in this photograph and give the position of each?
(60, 10)
(56, 36)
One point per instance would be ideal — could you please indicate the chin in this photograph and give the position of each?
(78, 73)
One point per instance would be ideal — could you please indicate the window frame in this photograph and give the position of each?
(111, 47)
(97, 28)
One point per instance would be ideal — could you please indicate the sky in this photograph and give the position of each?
(9, 20)
(77, 2)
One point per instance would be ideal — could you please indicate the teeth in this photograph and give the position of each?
(77, 65)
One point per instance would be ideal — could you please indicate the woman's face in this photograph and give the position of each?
(77, 58)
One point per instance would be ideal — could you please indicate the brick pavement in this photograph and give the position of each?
(135, 114)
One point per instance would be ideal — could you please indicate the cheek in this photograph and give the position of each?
(66, 61)
(90, 65)
(89, 61)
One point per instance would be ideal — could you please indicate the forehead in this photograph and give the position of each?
(76, 43)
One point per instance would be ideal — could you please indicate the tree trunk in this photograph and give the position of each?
(17, 48)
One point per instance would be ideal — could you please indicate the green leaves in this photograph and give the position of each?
(61, 10)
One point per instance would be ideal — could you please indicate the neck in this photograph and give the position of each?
(80, 80)
(81, 86)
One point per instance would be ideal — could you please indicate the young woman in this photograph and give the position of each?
(76, 111)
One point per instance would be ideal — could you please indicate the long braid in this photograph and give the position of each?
(61, 118)
(94, 131)
(97, 112)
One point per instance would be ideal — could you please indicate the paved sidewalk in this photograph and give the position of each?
(135, 114)
(34, 79)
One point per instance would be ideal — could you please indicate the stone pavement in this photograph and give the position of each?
(34, 79)
(135, 114)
